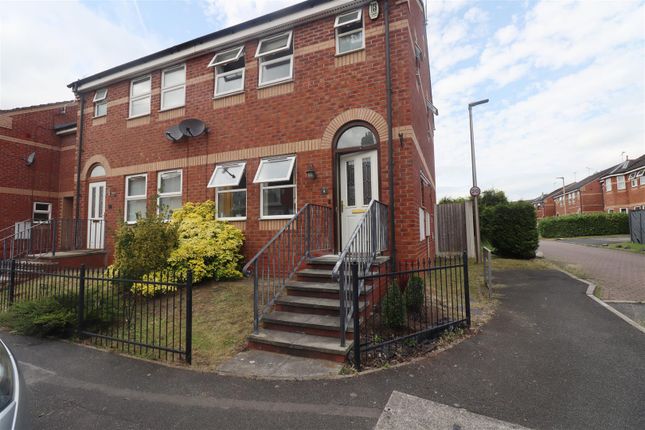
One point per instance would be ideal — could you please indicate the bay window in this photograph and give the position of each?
(169, 191)
(229, 71)
(620, 182)
(278, 187)
(275, 54)
(135, 197)
(608, 184)
(230, 183)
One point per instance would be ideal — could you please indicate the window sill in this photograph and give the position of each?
(340, 54)
(273, 84)
(231, 219)
(276, 217)
(99, 116)
(138, 116)
(172, 108)
(232, 93)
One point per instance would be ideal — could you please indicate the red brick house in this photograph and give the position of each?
(584, 196)
(623, 186)
(323, 107)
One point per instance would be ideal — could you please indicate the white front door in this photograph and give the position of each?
(95, 220)
(358, 187)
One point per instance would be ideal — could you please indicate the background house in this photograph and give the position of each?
(624, 186)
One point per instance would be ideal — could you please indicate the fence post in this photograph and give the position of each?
(464, 258)
(256, 305)
(12, 281)
(81, 300)
(343, 298)
(189, 317)
(357, 316)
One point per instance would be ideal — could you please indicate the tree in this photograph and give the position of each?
(492, 197)
(453, 200)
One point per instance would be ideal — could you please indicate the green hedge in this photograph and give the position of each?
(511, 229)
(593, 224)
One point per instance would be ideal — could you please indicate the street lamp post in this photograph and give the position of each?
(564, 190)
(475, 197)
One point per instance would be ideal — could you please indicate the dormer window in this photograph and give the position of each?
(100, 102)
(229, 71)
(275, 54)
(350, 35)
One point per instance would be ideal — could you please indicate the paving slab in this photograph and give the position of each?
(406, 412)
(264, 364)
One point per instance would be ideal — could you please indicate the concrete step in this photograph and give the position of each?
(324, 290)
(310, 305)
(323, 322)
(299, 344)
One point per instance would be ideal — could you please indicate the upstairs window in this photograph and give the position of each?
(140, 95)
(608, 185)
(276, 58)
(42, 212)
(173, 87)
(620, 182)
(100, 102)
(229, 71)
(169, 192)
(230, 181)
(278, 187)
(135, 197)
(350, 35)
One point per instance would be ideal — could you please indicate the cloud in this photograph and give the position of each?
(229, 12)
(566, 83)
(46, 46)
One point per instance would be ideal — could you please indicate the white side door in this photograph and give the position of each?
(95, 216)
(358, 187)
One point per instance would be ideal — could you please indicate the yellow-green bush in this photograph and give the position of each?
(208, 247)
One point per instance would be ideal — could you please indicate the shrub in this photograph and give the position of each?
(513, 230)
(392, 308)
(47, 316)
(593, 224)
(414, 294)
(209, 247)
(143, 247)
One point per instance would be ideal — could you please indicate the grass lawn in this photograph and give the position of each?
(222, 319)
(629, 246)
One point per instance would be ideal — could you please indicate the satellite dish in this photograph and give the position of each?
(192, 127)
(174, 134)
(30, 159)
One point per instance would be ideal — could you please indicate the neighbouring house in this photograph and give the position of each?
(624, 186)
(584, 196)
(545, 205)
(310, 125)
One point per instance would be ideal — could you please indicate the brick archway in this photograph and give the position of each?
(95, 159)
(358, 114)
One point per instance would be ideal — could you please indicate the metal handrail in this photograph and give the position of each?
(11, 228)
(368, 240)
(310, 230)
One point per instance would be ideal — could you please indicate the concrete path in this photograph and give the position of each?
(550, 358)
(620, 274)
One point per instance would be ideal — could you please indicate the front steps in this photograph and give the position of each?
(305, 319)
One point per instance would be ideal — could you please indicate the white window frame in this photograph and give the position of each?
(608, 185)
(624, 210)
(264, 186)
(621, 185)
(140, 97)
(48, 212)
(231, 188)
(276, 50)
(100, 100)
(225, 166)
(165, 89)
(275, 60)
(292, 158)
(428, 224)
(422, 224)
(161, 195)
(338, 28)
(225, 74)
(137, 197)
(214, 62)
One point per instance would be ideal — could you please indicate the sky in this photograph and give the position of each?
(566, 80)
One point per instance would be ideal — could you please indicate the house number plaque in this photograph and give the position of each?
(373, 11)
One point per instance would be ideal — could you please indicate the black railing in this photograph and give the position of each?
(39, 238)
(369, 239)
(308, 232)
(111, 310)
(402, 308)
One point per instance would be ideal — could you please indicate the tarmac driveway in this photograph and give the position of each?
(550, 358)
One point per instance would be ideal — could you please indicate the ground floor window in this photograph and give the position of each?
(276, 177)
(230, 182)
(623, 210)
(169, 190)
(42, 212)
(135, 197)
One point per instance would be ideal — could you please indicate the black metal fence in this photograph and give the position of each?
(151, 317)
(400, 309)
